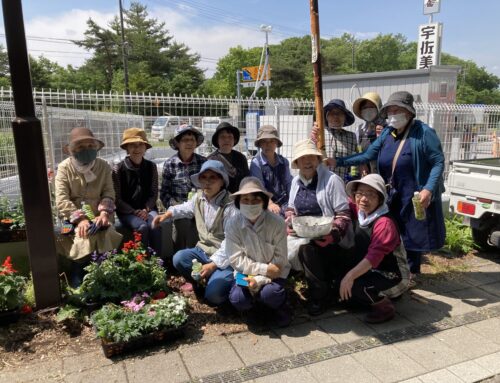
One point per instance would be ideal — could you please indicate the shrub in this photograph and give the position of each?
(458, 236)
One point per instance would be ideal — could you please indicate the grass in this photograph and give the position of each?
(458, 237)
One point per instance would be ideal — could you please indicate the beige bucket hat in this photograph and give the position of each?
(81, 134)
(133, 135)
(304, 148)
(251, 185)
(369, 96)
(373, 180)
(267, 132)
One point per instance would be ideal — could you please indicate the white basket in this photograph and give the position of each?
(312, 227)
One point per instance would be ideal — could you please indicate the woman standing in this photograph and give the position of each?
(410, 159)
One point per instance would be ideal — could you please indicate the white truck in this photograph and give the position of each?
(474, 188)
(164, 127)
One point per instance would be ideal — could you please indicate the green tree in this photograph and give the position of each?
(42, 72)
(4, 68)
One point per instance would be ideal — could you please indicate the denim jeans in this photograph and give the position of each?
(150, 237)
(219, 283)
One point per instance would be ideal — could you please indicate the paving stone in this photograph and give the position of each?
(345, 328)
(108, 374)
(50, 370)
(476, 297)
(469, 371)
(209, 358)
(492, 288)
(304, 337)
(466, 342)
(489, 329)
(253, 348)
(388, 364)
(430, 352)
(451, 305)
(442, 286)
(296, 375)
(440, 376)
(78, 363)
(149, 369)
(490, 362)
(481, 277)
(342, 369)
(411, 380)
(398, 322)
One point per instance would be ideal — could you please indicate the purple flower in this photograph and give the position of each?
(160, 262)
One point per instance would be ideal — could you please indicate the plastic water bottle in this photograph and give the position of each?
(87, 209)
(417, 207)
(191, 193)
(196, 270)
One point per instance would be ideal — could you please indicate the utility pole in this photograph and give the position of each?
(124, 50)
(266, 29)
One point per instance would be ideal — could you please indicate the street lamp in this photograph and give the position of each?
(266, 29)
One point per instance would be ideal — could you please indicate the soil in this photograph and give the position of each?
(38, 336)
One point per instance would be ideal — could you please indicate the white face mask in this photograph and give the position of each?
(369, 114)
(397, 121)
(251, 212)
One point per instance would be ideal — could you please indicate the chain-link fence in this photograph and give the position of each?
(466, 131)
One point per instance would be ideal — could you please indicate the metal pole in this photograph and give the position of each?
(238, 84)
(124, 50)
(28, 141)
(267, 66)
(316, 61)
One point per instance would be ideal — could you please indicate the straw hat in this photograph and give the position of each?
(373, 180)
(213, 165)
(81, 134)
(267, 132)
(304, 148)
(370, 96)
(133, 135)
(403, 99)
(180, 130)
(251, 185)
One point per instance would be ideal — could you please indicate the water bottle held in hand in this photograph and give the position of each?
(196, 270)
(87, 209)
(417, 207)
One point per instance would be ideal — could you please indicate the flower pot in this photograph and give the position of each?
(112, 349)
(9, 316)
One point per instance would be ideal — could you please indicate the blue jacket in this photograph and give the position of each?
(426, 151)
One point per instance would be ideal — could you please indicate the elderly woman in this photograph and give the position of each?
(410, 159)
(341, 142)
(210, 207)
(256, 246)
(271, 168)
(85, 198)
(376, 268)
(226, 136)
(316, 191)
(136, 185)
(176, 185)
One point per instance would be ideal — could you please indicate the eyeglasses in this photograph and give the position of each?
(367, 194)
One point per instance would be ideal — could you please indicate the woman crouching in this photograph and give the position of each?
(257, 247)
(382, 270)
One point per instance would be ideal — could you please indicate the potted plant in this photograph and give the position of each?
(118, 275)
(12, 221)
(140, 321)
(12, 286)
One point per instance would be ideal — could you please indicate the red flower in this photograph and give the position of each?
(160, 295)
(7, 266)
(139, 258)
(137, 236)
(26, 309)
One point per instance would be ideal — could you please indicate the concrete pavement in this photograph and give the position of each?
(447, 331)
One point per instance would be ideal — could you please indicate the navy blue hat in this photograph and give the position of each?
(225, 126)
(337, 103)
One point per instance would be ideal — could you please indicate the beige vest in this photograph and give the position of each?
(210, 240)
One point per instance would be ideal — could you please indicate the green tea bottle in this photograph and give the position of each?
(87, 209)
(417, 207)
(196, 270)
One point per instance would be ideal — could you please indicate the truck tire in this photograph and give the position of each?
(480, 237)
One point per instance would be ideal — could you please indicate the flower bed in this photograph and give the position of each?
(12, 288)
(140, 322)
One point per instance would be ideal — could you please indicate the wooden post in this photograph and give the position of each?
(318, 85)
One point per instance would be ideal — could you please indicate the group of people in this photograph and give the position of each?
(237, 221)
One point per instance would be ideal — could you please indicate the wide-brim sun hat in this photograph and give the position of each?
(369, 96)
(250, 185)
(267, 132)
(182, 130)
(225, 126)
(81, 134)
(339, 104)
(304, 148)
(213, 165)
(373, 180)
(403, 99)
(133, 135)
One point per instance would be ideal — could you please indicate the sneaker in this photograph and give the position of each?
(381, 311)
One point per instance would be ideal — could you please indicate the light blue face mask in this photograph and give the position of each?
(85, 156)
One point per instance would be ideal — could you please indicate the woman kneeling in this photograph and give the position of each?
(382, 271)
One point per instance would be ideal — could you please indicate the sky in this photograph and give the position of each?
(211, 27)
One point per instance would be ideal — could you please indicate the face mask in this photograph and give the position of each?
(369, 114)
(85, 156)
(397, 121)
(251, 212)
